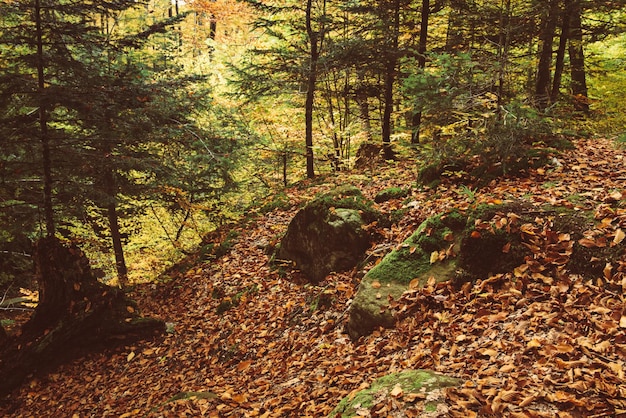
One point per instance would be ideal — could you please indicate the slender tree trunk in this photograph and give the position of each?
(503, 48)
(364, 116)
(114, 227)
(548, 27)
(310, 93)
(43, 125)
(118, 249)
(361, 97)
(577, 59)
(560, 53)
(455, 39)
(421, 64)
(390, 77)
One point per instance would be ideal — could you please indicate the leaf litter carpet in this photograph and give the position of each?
(246, 340)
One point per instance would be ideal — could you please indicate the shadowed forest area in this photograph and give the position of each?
(155, 157)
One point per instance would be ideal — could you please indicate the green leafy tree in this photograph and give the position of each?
(289, 62)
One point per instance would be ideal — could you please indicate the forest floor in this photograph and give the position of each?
(247, 340)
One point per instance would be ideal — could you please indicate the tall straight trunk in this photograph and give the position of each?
(114, 226)
(560, 53)
(456, 39)
(577, 59)
(546, 37)
(503, 48)
(361, 96)
(310, 93)
(43, 124)
(118, 249)
(110, 204)
(421, 64)
(390, 77)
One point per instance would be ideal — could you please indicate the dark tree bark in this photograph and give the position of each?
(3, 337)
(421, 63)
(577, 59)
(560, 53)
(391, 63)
(75, 312)
(43, 123)
(546, 37)
(503, 49)
(314, 39)
(114, 227)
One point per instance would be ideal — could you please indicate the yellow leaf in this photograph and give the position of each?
(507, 368)
(534, 343)
(434, 256)
(130, 356)
(397, 391)
(622, 322)
(489, 352)
(619, 237)
(240, 398)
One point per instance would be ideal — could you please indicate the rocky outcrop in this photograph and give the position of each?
(328, 235)
(479, 243)
(429, 252)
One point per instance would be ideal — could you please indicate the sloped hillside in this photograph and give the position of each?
(249, 340)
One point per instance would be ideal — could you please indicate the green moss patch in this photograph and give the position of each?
(391, 193)
(346, 197)
(409, 387)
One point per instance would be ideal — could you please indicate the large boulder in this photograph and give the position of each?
(431, 251)
(476, 244)
(328, 235)
(414, 393)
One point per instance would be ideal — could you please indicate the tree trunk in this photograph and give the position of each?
(114, 226)
(118, 249)
(3, 336)
(361, 96)
(577, 59)
(310, 93)
(75, 312)
(43, 124)
(503, 49)
(560, 53)
(421, 63)
(542, 83)
(390, 77)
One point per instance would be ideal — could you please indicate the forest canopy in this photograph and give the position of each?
(134, 128)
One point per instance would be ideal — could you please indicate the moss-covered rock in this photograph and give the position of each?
(422, 390)
(327, 234)
(488, 240)
(391, 193)
(429, 252)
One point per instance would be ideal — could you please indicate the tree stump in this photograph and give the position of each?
(75, 312)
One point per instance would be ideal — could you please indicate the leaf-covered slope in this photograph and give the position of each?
(530, 342)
